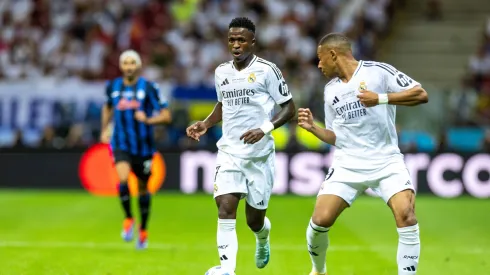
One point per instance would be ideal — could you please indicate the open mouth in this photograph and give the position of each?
(236, 53)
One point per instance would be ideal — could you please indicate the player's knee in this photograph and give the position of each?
(226, 211)
(142, 187)
(324, 219)
(143, 191)
(227, 206)
(123, 179)
(406, 217)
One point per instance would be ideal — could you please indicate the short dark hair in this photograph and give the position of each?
(336, 40)
(242, 22)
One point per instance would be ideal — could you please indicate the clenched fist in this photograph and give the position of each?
(305, 119)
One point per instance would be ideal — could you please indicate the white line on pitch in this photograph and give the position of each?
(170, 246)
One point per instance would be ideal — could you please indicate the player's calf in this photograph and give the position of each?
(226, 237)
(123, 168)
(327, 209)
(144, 203)
(261, 226)
(402, 205)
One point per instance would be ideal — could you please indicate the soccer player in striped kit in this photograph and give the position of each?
(135, 105)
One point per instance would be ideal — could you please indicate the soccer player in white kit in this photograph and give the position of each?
(360, 107)
(248, 89)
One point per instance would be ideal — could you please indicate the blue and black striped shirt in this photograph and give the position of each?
(130, 135)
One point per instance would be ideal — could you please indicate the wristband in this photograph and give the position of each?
(267, 127)
(382, 98)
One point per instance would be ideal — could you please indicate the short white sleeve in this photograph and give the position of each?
(276, 85)
(396, 81)
(216, 85)
(329, 117)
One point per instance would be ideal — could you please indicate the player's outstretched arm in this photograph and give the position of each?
(196, 130)
(305, 121)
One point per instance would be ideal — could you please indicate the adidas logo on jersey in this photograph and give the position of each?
(335, 100)
(261, 203)
(225, 82)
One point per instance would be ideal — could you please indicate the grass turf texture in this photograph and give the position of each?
(76, 233)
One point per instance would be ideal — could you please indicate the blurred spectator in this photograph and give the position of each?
(48, 138)
(18, 140)
(480, 62)
(293, 144)
(463, 103)
(486, 142)
(483, 109)
(434, 10)
(442, 143)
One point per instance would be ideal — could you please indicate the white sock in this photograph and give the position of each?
(408, 250)
(317, 238)
(263, 234)
(227, 243)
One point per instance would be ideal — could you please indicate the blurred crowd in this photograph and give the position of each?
(472, 104)
(181, 43)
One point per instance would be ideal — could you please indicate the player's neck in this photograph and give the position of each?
(130, 81)
(242, 64)
(347, 69)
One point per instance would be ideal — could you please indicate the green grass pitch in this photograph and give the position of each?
(61, 233)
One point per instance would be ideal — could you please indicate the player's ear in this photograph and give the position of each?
(253, 42)
(333, 54)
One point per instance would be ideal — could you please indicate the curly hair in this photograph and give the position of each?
(242, 22)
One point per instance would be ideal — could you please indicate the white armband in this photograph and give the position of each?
(382, 98)
(267, 127)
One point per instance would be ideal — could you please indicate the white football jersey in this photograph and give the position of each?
(366, 137)
(248, 97)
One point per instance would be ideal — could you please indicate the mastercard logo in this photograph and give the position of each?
(98, 174)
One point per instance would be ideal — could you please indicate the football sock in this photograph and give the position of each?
(317, 238)
(227, 243)
(408, 250)
(125, 198)
(144, 204)
(263, 233)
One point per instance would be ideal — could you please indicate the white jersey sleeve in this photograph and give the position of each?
(276, 85)
(216, 84)
(329, 111)
(397, 81)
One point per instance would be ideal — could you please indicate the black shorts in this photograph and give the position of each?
(141, 166)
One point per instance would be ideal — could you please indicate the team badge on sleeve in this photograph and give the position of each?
(403, 80)
(283, 88)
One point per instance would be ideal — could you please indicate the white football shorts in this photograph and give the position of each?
(253, 178)
(349, 184)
